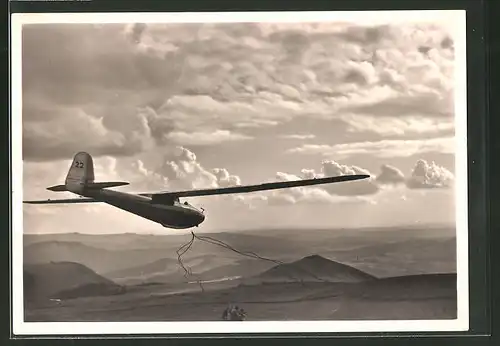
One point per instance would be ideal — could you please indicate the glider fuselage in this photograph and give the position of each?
(176, 215)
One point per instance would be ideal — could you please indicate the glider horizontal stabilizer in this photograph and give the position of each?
(63, 201)
(57, 188)
(96, 186)
(105, 184)
(259, 187)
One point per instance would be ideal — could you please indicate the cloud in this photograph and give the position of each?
(183, 171)
(192, 112)
(71, 130)
(256, 123)
(178, 169)
(91, 88)
(347, 192)
(397, 126)
(363, 191)
(307, 195)
(384, 148)
(298, 136)
(224, 179)
(303, 195)
(135, 32)
(429, 175)
(158, 127)
(390, 175)
(355, 188)
(384, 80)
(97, 63)
(206, 138)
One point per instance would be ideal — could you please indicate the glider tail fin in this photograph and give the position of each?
(81, 177)
(80, 174)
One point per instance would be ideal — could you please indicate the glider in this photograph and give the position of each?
(164, 208)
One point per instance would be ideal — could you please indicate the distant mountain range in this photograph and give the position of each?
(98, 259)
(112, 254)
(131, 259)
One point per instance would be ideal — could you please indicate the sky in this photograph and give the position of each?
(184, 106)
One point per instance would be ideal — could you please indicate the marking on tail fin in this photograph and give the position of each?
(81, 171)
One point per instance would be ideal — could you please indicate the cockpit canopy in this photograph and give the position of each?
(174, 201)
(185, 204)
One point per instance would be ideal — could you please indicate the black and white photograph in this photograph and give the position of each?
(207, 173)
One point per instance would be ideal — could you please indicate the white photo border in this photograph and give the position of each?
(455, 18)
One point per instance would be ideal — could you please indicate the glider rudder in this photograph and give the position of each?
(81, 171)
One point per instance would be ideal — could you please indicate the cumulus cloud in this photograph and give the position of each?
(354, 188)
(390, 175)
(347, 192)
(424, 175)
(429, 175)
(224, 179)
(183, 171)
(308, 195)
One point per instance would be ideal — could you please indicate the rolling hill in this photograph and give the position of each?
(64, 280)
(312, 268)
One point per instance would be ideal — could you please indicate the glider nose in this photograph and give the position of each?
(200, 217)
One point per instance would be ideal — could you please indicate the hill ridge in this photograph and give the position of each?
(71, 279)
(311, 268)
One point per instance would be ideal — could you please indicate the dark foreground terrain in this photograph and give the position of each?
(408, 297)
(380, 274)
(419, 297)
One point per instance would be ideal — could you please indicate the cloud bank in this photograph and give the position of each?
(128, 88)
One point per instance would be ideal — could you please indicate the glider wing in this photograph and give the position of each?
(255, 188)
(63, 201)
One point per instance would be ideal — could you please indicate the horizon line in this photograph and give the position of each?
(428, 225)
